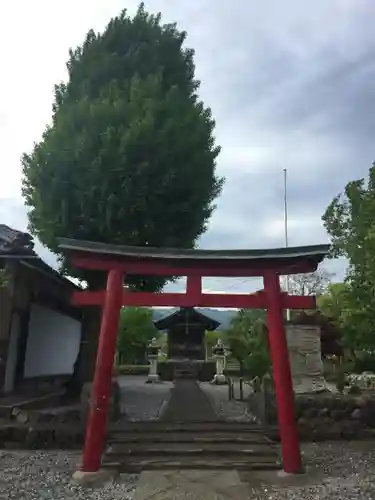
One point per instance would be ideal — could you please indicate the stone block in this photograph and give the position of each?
(323, 412)
(324, 428)
(332, 416)
(357, 414)
(18, 434)
(310, 413)
(338, 414)
(32, 440)
(305, 359)
(350, 429)
(92, 479)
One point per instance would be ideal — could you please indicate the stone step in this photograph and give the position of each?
(191, 426)
(188, 437)
(191, 449)
(189, 462)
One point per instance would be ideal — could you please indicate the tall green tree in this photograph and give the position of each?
(130, 156)
(136, 330)
(350, 221)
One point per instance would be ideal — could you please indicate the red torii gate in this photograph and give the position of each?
(119, 261)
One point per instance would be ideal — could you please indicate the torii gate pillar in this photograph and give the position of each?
(288, 427)
(101, 388)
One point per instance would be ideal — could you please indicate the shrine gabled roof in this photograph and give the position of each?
(317, 252)
(19, 246)
(185, 314)
(13, 242)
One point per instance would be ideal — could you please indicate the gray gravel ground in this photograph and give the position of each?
(340, 470)
(47, 476)
(336, 471)
(141, 401)
(229, 410)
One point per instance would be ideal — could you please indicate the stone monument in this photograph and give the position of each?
(305, 359)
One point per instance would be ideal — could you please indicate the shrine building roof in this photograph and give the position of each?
(188, 314)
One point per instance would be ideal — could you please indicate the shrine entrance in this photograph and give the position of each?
(186, 355)
(119, 261)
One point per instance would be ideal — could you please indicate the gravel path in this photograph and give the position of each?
(335, 471)
(47, 476)
(230, 410)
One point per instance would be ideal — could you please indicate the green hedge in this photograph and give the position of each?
(133, 369)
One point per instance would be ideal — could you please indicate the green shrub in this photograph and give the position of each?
(133, 369)
(364, 362)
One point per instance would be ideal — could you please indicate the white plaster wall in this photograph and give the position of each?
(52, 344)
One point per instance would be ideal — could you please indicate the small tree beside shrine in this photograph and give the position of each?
(136, 330)
(247, 340)
(350, 223)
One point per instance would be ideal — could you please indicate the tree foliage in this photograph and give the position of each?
(333, 303)
(136, 330)
(350, 222)
(314, 283)
(335, 306)
(211, 338)
(130, 156)
(247, 339)
(4, 278)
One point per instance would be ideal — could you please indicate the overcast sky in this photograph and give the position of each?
(291, 85)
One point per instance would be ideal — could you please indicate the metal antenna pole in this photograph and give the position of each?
(286, 231)
(285, 208)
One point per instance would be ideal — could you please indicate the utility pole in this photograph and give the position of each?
(286, 231)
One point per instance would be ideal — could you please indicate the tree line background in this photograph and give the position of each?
(246, 337)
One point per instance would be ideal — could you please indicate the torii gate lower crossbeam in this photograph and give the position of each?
(193, 264)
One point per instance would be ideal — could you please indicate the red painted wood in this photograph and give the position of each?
(88, 298)
(249, 301)
(233, 268)
(194, 287)
(288, 429)
(101, 389)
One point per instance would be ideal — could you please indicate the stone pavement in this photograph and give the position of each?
(190, 485)
(189, 403)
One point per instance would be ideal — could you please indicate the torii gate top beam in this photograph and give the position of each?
(179, 262)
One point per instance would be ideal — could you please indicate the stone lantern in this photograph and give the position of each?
(152, 355)
(219, 353)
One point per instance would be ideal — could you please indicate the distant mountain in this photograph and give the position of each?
(222, 316)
